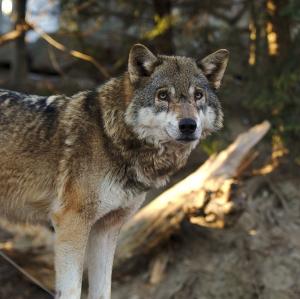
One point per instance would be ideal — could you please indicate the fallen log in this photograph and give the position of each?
(206, 191)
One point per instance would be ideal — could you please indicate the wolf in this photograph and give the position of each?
(85, 162)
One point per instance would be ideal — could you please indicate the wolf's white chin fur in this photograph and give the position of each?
(155, 128)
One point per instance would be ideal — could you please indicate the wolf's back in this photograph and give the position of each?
(27, 120)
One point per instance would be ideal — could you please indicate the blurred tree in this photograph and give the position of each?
(19, 71)
(163, 18)
(1, 16)
(282, 27)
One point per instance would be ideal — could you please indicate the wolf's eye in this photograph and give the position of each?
(163, 95)
(198, 95)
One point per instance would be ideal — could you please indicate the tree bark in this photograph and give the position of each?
(19, 71)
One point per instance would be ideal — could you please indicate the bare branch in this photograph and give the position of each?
(77, 54)
(14, 34)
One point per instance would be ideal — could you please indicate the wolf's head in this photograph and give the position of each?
(174, 98)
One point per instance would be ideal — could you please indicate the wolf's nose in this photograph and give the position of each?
(187, 126)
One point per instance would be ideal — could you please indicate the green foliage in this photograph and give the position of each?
(162, 25)
(212, 145)
(292, 10)
(277, 99)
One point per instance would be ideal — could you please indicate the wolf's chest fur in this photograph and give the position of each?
(125, 184)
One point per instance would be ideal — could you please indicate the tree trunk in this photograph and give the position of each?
(1, 18)
(258, 19)
(19, 71)
(164, 41)
(281, 24)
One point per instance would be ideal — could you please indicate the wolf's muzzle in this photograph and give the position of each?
(187, 126)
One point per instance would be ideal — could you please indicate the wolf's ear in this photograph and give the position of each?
(141, 62)
(214, 66)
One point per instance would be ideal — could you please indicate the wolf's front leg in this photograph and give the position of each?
(100, 254)
(101, 249)
(72, 232)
